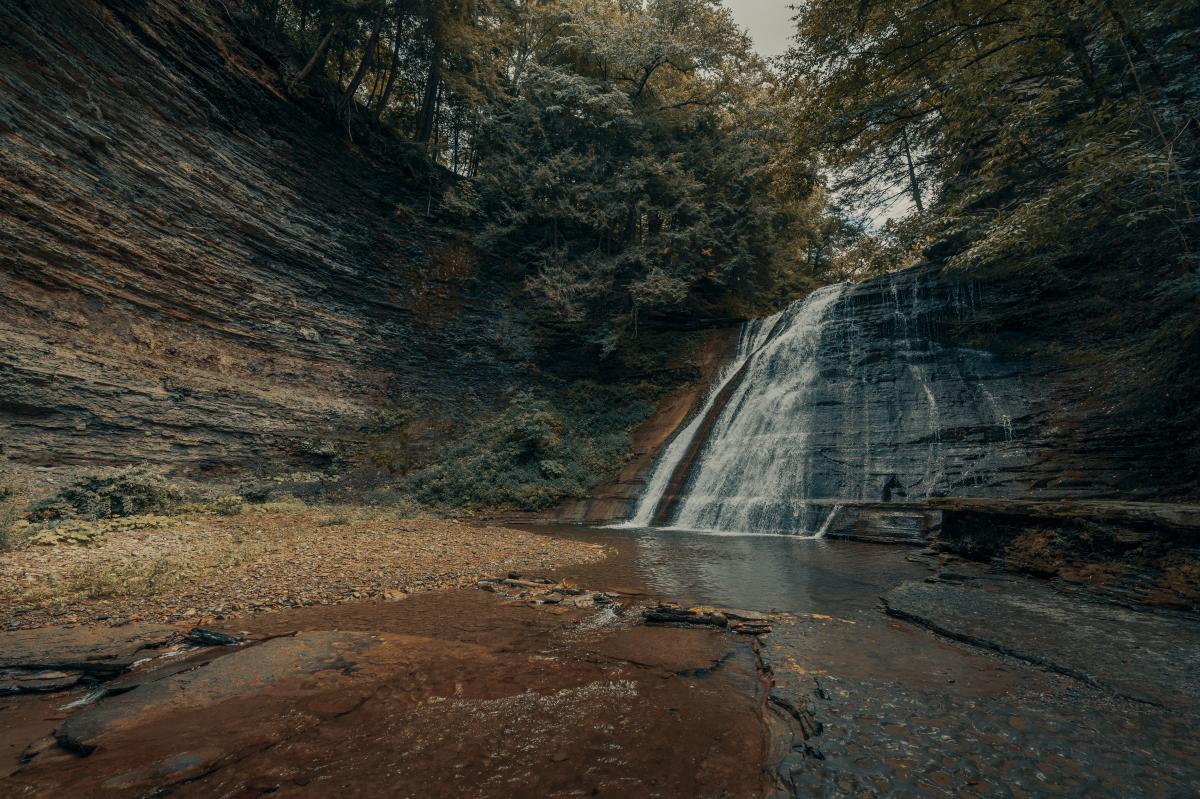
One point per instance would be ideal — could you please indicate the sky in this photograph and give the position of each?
(769, 23)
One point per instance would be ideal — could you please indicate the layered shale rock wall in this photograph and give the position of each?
(193, 269)
(934, 382)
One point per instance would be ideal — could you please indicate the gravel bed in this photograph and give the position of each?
(204, 569)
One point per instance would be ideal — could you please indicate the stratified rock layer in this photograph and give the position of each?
(194, 270)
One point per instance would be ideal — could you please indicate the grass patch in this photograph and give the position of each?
(280, 506)
(86, 533)
(226, 506)
(109, 581)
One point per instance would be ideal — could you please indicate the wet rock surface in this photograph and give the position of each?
(748, 622)
(95, 652)
(1136, 553)
(245, 672)
(459, 693)
(508, 689)
(892, 711)
(863, 705)
(1022, 692)
(1139, 654)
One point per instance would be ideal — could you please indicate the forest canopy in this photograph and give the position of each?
(633, 159)
(1036, 132)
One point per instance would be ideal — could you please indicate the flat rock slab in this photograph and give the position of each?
(674, 650)
(1140, 655)
(98, 651)
(241, 673)
(28, 681)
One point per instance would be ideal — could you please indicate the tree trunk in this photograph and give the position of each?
(429, 102)
(365, 63)
(318, 57)
(1077, 44)
(1135, 40)
(914, 186)
(394, 69)
(437, 126)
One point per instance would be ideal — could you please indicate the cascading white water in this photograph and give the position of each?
(754, 473)
(752, 337)
(845, 397)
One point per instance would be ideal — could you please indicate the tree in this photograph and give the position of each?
(1038, 131)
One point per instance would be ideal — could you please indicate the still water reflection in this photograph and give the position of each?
(760, 572)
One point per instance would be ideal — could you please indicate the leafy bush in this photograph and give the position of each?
(225, 506)
(255, 491)
(534, 454)
(108, 494)
(10, 513)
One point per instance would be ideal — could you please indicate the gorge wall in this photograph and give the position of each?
(924, 384)
(195, 270)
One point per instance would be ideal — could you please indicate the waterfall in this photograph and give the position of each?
(845, 397)
(756, 468)
(751, 338)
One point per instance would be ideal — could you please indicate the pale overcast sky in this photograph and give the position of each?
(769, 23)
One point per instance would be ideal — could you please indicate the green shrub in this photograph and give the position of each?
(108, 494)
(10, 514)
(534, 454)
(255, 491)
(225, 506)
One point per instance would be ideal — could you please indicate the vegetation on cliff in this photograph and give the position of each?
(1039, 134)
(320, 212)
(619, 159)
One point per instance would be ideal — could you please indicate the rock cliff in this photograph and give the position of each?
(933, 382)
(194, 269)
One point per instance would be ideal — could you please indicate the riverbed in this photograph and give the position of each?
(875, 705)
(466, 692)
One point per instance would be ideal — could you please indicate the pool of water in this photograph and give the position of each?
(757, 572)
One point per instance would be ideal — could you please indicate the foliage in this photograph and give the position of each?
(255, 491)
(10, 514)
(631, 168)
(226, 506)
(107, 494)
(619, 160)
(533, 454)
(1032, 132)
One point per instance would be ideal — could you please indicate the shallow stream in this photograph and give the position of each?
(898, 710)
(755, 572)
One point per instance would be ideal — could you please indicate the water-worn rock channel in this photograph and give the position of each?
(1022, 691)
(486, 693)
